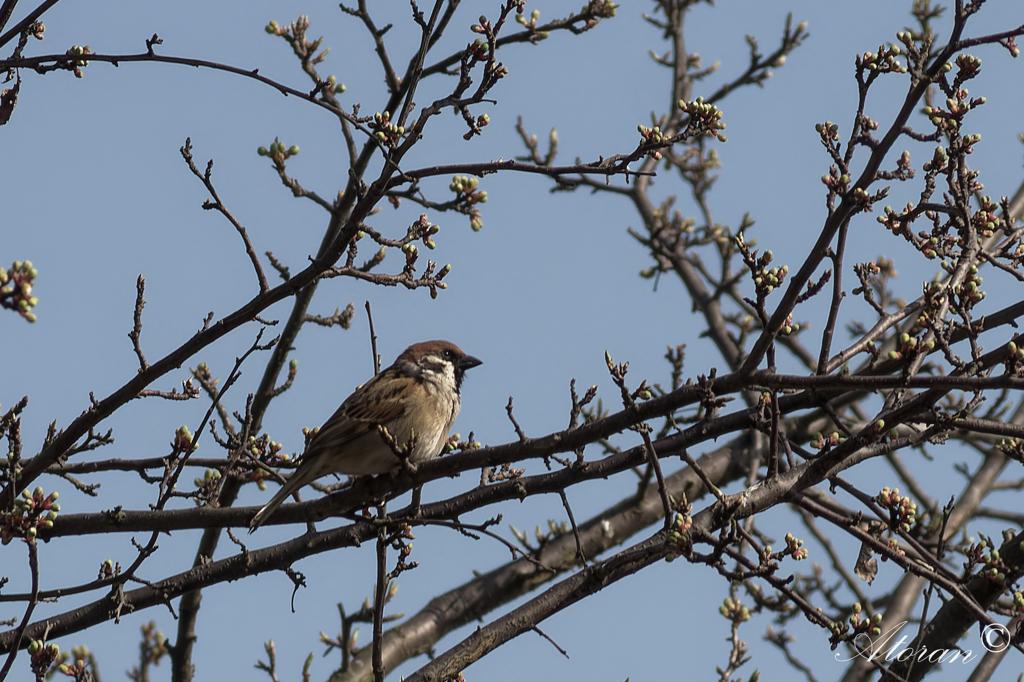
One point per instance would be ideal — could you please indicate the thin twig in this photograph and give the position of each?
(553, 642)
(136, 332)
(468, 529)
(373, 341)
(380, 594)
(217, 204)
(33, 563)
(515, 424)
(575, 528)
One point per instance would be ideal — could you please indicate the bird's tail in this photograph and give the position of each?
(298, 479)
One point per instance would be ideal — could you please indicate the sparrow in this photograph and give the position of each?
(416, 399)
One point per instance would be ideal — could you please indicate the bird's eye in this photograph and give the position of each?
(449, 355)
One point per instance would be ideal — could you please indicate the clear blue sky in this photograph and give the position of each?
(94, 192)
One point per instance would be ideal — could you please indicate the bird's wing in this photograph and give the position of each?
(376, 402)
(380, 400)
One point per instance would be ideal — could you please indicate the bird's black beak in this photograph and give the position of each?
(467, 362)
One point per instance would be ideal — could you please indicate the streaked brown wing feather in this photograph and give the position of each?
(336, 433)
(368, 412)
(380, 400)
(371, 404)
